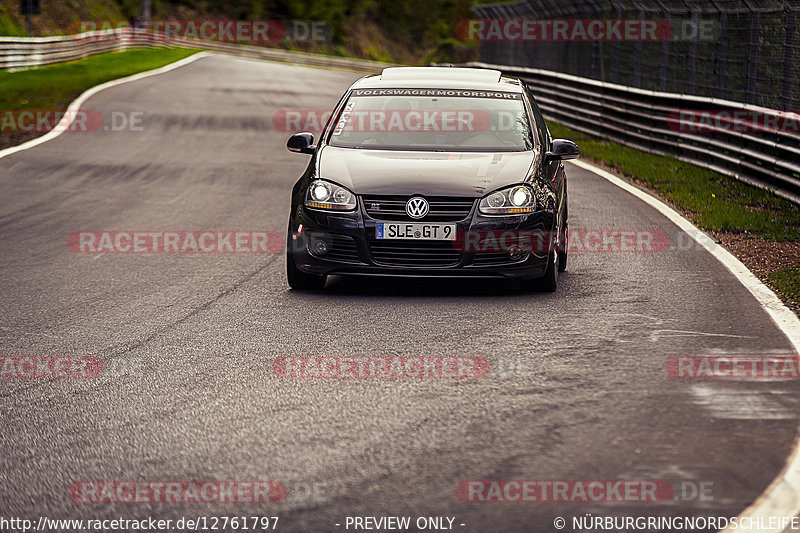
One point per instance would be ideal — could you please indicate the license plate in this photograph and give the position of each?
(415, 231)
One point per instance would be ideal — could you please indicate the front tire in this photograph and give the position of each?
(562, 254)
(564, 238)
(299, 280)
(548, 282)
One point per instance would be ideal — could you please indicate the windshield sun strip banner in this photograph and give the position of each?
(461, 93)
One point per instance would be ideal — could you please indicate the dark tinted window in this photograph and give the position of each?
(389, 119)
(541, 125)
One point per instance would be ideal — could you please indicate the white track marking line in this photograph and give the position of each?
(782, 497)
(658, 334)
(73, 108)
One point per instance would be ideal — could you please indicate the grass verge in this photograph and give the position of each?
(52, 88)
(760, 228)
(787, 282)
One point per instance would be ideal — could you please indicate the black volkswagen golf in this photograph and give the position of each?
(431, 171)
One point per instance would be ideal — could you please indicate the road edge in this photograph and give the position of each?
(76, 104)
(782, 497)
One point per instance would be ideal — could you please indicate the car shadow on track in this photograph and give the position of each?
(427, 287)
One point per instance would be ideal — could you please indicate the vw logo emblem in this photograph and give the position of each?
(417, 207)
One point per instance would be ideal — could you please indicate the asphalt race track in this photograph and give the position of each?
(578, 388)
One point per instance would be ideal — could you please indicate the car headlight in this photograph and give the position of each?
(516, 200)
(323, 194)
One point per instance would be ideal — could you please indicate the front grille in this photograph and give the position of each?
(493, 259)
(442, 208)
(414, 253)
(341, 248)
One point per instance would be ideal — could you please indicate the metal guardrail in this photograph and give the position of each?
(634, 117)
(18, 53)
(25, 52)
(764, 157)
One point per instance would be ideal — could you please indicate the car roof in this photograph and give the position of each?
(440, 77)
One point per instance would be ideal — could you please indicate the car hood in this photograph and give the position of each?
(428, 173)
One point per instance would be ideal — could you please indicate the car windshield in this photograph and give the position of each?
(444, 120)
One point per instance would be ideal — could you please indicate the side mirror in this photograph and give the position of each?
(563, 150)
(302, 143)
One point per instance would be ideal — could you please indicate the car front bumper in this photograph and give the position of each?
(351, 247)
